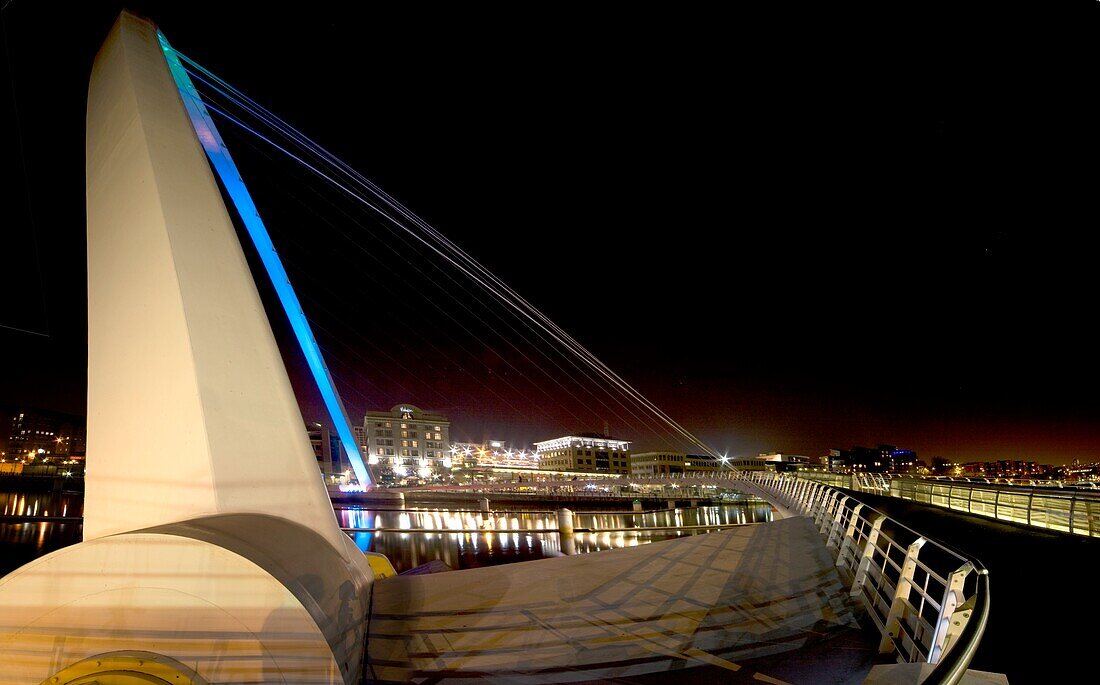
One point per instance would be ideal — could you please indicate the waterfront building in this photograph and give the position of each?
(329, 451)
(407, 441)
(778, 461)
(42, 436)
(360, 435)
(493, 454)
(703, 463)
(587, 452)
(655, 464)
(881, 459)
(750, 464)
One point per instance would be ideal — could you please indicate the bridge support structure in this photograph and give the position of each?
(211, 554)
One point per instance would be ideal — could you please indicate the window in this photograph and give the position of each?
(389, 424)
(404, 434)
(414, 443)
(404, 425)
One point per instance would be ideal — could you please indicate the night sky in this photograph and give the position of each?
(790, 232)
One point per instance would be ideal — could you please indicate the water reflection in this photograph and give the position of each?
(456, 536)
(41, 504)
(463, 538)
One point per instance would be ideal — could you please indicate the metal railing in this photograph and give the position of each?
(929, 603)
(1069, 509)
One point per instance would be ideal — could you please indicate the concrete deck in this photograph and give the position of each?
(713, 601)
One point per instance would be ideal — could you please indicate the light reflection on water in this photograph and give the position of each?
(472, 539)
(503, 537)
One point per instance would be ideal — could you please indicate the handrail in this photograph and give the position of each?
(952, 666)
(894, 592)
(1066, 508)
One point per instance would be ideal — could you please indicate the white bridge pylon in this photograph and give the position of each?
(211, 548)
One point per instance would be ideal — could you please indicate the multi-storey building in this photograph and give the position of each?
(407, 440)
(703, 463)
(652, 464)
(38, 435)
(329, 451)
(493, 454)
(585, 452)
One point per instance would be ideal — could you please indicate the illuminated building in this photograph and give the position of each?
(750, 464)
(703, 463)
(588, 452)
(330, 454)
(407, 441)
(881, 459)
(647, 464)
(777, 461)
(35, 434)
(493, 454)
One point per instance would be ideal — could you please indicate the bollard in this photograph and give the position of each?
(485, 521)
(565, 530)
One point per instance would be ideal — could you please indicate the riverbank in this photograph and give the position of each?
(56, 482)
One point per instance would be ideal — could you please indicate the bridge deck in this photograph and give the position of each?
(716, 600)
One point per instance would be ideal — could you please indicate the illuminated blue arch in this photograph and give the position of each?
(226, 169)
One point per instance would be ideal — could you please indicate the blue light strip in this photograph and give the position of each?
(222, 162)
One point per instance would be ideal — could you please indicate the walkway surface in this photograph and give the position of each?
(732, 603)
(1043, 587)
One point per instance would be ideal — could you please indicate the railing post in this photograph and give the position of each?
(1072, 506)
(821, 519)
(806, 495)
(892, 626)
(849, 539)
(817, 501)
(946, 627)
(866, 556)
(835, 524)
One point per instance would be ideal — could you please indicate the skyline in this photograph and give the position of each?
(799, 261)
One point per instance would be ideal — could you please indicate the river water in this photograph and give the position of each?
(411, 537)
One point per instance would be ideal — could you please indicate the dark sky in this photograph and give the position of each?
(790, 232)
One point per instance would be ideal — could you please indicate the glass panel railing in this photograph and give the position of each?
(1051, 512)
